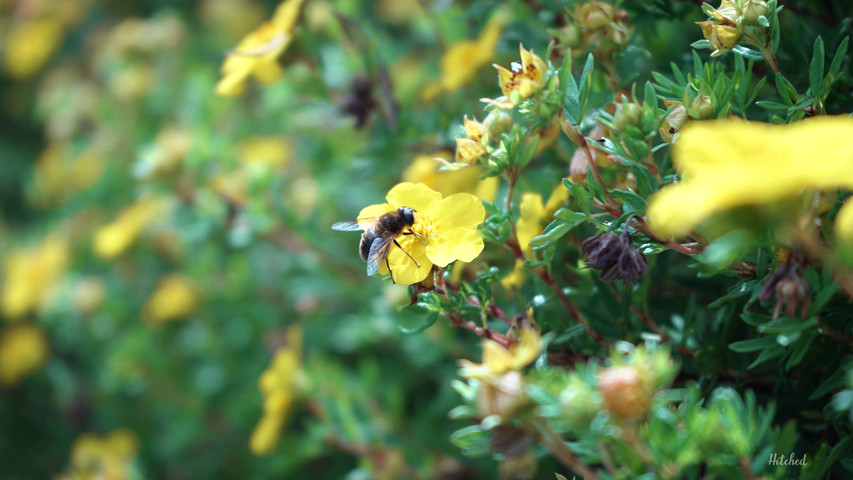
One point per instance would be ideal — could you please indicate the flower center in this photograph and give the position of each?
(425, 228)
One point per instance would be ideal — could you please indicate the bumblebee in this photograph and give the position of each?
(379, 234)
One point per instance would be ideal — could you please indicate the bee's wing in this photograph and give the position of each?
(356, 225)
(378, 252)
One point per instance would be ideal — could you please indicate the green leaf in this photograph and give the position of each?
(816, 68)
(631, 202)
(767, 354)
(834, 382)
(579, 194)
(585, 83)
(785, 89)
(840, 52)
(556, 229)
(753, 344)
(798, 351)
(528, 151)
(769, 105)
(646, 183)
(748, 53)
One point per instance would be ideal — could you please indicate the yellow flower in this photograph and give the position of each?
(731, 163)
(257, 54)
(108, 457)
(461, 62)
(522, 81)
(30, 45)
(23, 351)
(426, 169)
(116, 237)
(274, 152)
(175, 298)
(278, 383)
(445, 230)
(29, 274)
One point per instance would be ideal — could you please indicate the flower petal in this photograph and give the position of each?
(373, 211)
(733, 163)
(413, 195)
(455, 244)
(404, 270)
(461, 210)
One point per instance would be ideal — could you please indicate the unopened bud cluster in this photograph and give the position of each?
(727, 23)
(596, 26)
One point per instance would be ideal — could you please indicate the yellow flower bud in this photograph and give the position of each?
(727, 12)
(595, 14)
(753, 9)
(674, 121)
(721, 36)
(469, 151)
(626, 114)
(474, 130)
(624, 392)
(703, 107)
(501, 395)
(175, 298)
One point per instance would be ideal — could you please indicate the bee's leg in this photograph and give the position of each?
(389, 271)
(412, 232)
(407, 253)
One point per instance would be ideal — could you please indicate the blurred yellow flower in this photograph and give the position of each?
(522, 81)
(176, 297)
(426, 169)
(170, 149)
(278, 384)
(30, 45)
(732, 163)
(103, 458)
(257, 54)
(445, 230)
(24, 350)
(500, 390)
(498, 359)
(232, 186)
(114, 238)
(230, 17)
(844, 223)
(516, 277)
(461, 62)
(29, 273)
(534, 215)
(89, 295)
(58, 175)
(274, 152)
